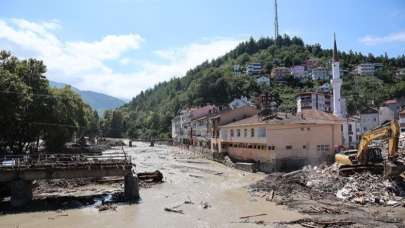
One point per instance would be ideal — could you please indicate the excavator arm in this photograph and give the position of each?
(366, 158)
(390, 131)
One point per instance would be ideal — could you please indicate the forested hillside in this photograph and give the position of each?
(149, 114)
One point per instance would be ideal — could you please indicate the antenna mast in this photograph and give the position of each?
(275, 20)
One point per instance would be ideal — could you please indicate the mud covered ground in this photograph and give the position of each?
(195, 193)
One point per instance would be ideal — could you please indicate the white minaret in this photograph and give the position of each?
(336, 81)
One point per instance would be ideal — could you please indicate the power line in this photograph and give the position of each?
(38, 94)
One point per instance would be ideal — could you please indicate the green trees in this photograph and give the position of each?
(69, 115)
(30, 111)
(149, 114)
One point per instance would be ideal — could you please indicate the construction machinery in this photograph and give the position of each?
(370, 158)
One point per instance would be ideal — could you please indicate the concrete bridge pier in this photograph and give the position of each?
(21, 192)
(131, 187)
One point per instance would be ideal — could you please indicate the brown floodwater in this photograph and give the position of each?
(218, 194)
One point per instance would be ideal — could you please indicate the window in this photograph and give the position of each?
(304, 147)
(252, 132)
(245, 133)
(238, 132)
(261, 132)
(288, 147)
(231, 133)
(323, 148)
(308, 128)
(302, 129)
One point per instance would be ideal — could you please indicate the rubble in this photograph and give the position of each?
(308, 222)
(325, 182)
(365, 188)
(105, 207)
(149, 177)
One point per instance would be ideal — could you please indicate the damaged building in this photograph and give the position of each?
(286, 141)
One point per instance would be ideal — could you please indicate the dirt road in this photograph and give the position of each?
(207, 193)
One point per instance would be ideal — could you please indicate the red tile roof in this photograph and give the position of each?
(392, 101)
(203, 111)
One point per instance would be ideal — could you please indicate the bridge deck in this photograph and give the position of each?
(57, 166)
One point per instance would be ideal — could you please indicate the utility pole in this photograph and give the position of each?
(275, 20)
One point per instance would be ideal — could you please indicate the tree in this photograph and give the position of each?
(117, 124)
(25, 102)
(70, 115)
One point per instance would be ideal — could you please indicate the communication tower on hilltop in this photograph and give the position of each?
(275, 20)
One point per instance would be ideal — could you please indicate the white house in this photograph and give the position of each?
(263, 80)
(320, 73)
(239, 102)
(351, 131)
(367, 69)
(298, 72)
(254, 68)
(314, 101)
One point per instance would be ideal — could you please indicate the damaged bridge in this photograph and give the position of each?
(21, 171)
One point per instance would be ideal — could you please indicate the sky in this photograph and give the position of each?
(121, 47)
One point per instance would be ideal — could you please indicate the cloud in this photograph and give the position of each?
(177, 62)
(84, 63)
(398, 37)
(70, 58)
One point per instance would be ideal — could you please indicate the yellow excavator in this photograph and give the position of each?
(370, 158)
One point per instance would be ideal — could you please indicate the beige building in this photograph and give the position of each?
(286, 141)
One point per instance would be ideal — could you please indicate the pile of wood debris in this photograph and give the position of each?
(325, 182)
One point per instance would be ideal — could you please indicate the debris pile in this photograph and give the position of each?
(312, 183)
(365, 188)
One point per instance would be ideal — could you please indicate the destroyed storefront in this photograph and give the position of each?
(284, 142)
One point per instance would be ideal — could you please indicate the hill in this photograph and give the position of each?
(97, 101)
(150, 113)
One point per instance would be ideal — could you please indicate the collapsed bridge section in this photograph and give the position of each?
(21, 171)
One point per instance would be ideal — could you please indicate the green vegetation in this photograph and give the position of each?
(149, 114)
(31, 111)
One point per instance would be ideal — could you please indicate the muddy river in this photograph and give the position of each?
(216, 196)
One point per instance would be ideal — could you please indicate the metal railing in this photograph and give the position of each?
(63, 160)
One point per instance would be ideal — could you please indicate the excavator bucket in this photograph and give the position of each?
(394, 168)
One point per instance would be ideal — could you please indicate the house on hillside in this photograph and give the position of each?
(299, 72)
(240, 102)
(366, 69)
(263, 80)
(315, 101)
(320, 73)
(254, 69)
